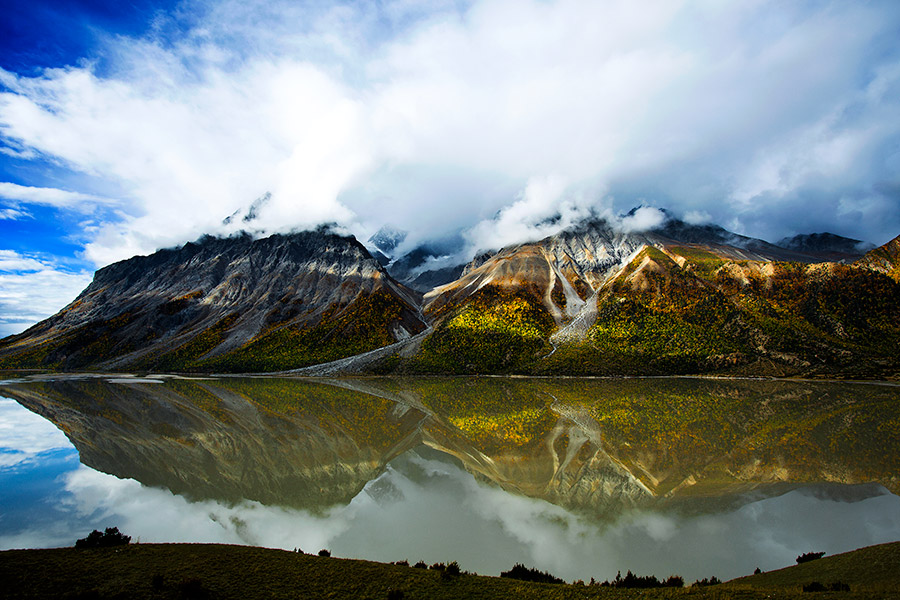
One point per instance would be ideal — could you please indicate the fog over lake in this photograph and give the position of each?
(485, 472)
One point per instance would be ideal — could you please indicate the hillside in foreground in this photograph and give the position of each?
(224, 572)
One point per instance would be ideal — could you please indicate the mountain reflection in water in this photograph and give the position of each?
(622, 470)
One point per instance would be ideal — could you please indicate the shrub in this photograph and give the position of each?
(110, 537)
(523, 573)
(324, 553)
(402, 563)
(814, 586)
(809, 556)
(420, 565)
(705, 582)
(451, 571)
(632, 581)
(192, 589)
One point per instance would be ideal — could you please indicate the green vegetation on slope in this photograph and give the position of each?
(874, 569)
(341, 332)
(495, 331)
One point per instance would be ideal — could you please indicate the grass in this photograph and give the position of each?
(875, 569)
(161, 571)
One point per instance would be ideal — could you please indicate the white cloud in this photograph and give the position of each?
(24, 435)
(349, 112)
(643, 219)
(12, 214)
(49, 196)
(33, 288)
(542, 209)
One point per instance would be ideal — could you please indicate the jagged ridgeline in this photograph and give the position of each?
(232, 304)
(677, 300)
(590, 300)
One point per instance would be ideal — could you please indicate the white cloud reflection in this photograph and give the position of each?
(25, 435)
(432, 510)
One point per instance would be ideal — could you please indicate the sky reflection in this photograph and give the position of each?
(425, 506)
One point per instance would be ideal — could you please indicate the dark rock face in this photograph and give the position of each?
(215, 296)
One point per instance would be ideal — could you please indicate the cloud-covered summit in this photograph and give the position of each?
(491, 117)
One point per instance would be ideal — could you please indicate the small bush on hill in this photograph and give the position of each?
(803, 558)
(705, 582)
(110, 537)
(632, 581)
(523, 573)
(837, 586)
(451, 571)
(324, 553)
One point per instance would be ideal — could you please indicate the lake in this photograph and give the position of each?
(578, 477)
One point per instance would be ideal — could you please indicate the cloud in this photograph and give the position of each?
(25, 435)
(12, 214)
(642, 219)
(435, 116)
(541, 209)
(431, 509)
(34, 287)
(49, 196)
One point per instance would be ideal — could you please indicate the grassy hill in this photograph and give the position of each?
(222, 572)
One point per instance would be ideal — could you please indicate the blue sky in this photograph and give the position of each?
(130, 126)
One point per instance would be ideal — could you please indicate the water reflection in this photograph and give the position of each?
(621, 475)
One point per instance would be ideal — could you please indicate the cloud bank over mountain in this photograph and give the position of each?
(496, 118)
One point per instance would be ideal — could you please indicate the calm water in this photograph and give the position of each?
(578, 477)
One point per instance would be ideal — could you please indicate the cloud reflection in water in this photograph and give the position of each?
(425, 507)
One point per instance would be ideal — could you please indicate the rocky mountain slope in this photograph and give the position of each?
(884, 259)
(677, 299)
(233, 304)
(593, 299)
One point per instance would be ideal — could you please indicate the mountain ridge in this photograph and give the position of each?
(590, 299)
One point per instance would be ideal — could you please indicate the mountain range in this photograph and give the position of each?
(593, 299)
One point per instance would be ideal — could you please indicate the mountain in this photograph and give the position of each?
(594, 300)
(229, 304)
(826, 246)
(884, 259)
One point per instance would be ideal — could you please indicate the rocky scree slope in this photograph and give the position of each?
(231, 304)
(593, 300)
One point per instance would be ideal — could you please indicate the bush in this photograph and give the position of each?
(632, 581)
(324, 553)
(111, 537)
(809, 556)
(523, 573)
(837, 586)
(705, 582)
(420, 565)
(451, 571)
(814, 586)
(192, 589)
